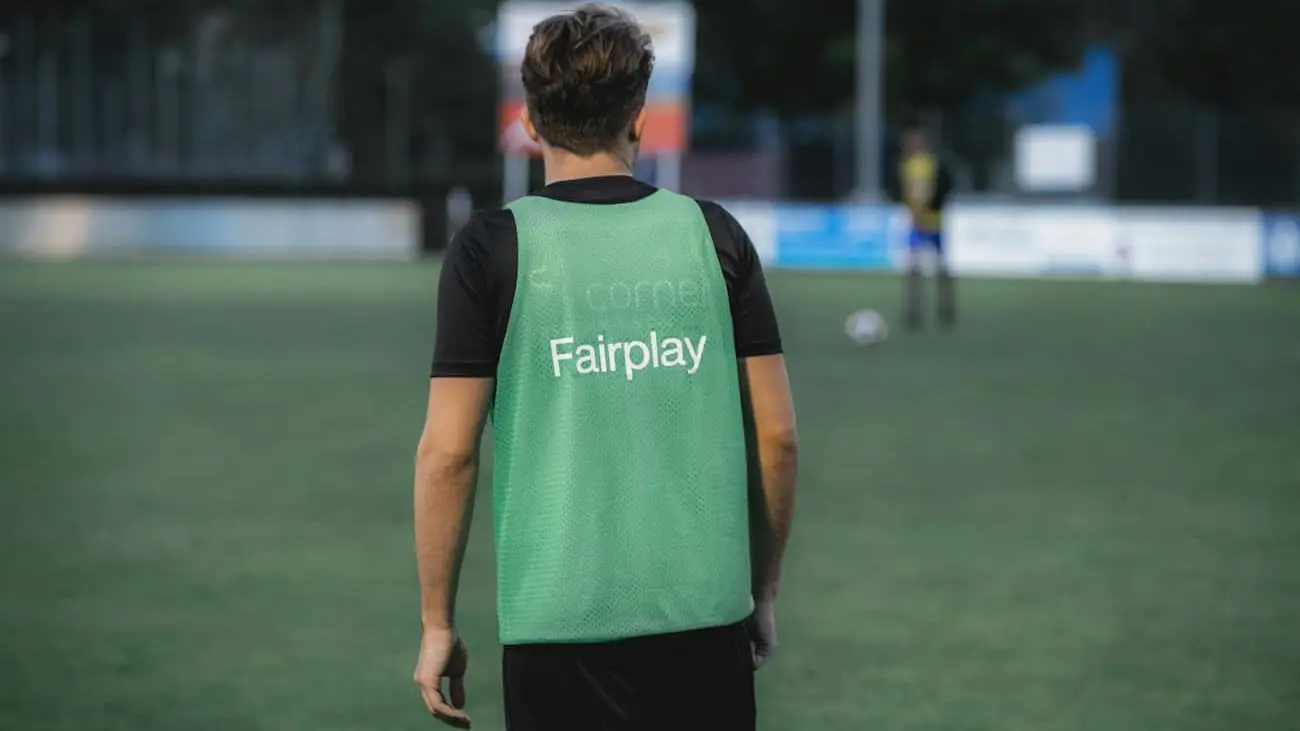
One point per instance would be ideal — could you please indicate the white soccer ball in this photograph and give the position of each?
(866, 327)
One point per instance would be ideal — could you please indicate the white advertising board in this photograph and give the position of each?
(1032, 241)
(1191, 244)
(1151, 243)
(70, 227)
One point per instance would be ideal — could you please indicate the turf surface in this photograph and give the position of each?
(1081, 510)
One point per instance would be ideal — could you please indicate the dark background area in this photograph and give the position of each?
(399, 96)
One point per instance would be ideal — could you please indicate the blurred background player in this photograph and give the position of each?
(922, 183)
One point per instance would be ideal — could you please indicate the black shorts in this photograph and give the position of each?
(701, 680)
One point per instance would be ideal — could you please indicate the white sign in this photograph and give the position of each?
(1056, 158)
(671, 27)
(1191, 244)
(1005, 240)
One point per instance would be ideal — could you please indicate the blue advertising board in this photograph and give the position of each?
(1281, 245)
(836, 237)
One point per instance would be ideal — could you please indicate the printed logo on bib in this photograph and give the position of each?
(626, 358)
(644, 295)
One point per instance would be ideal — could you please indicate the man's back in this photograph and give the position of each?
(620, 476)
(603, 483)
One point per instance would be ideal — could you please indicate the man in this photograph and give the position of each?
(923, 185)
(609, 330)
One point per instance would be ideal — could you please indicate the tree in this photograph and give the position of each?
(452, 82)
(943, 53)
(1231, 53)
(762, 54)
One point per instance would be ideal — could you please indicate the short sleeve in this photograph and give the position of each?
(470, 318)
(752, 315)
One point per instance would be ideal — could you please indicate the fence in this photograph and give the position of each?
(167, 95)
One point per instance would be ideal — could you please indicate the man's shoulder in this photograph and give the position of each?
(713, 209)
(486, 230)
(728, 235)
(490, 220)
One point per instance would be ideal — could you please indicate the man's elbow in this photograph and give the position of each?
(437, 457)
(782, 443)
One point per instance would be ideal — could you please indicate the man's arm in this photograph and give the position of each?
(774, 444)
(768, 415)
(446, 468)
(446, 461)
(765, 391)
(464, 366)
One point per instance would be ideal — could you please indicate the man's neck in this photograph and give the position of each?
(564, 166)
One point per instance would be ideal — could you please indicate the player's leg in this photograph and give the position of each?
(945, 286)
(913, 282)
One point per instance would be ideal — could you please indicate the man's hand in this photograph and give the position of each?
(443, 655)
(762, 627)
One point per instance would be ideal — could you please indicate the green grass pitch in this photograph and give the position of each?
(1078, 511)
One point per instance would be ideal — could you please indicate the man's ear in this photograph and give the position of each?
(637, 133)
(526, 119)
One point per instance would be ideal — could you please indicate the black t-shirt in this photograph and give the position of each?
(477, 285)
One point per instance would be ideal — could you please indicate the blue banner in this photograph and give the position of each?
(836, 237)
(1282, 246)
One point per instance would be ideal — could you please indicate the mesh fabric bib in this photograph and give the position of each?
(619, 496)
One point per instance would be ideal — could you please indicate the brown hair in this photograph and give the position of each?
(585, 78)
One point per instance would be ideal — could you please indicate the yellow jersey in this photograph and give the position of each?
(919, 176)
